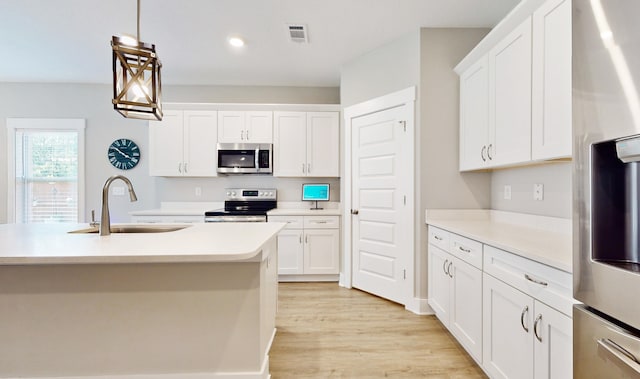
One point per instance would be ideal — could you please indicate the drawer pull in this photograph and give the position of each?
(444, 267)
(536, 281)
(320, 222)
(463, 249)
(535, 327)
(437, 237)
(449, 270)
(524, 312)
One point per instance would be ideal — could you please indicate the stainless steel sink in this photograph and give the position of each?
(134, 229)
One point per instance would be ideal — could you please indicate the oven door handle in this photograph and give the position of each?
(622, 357)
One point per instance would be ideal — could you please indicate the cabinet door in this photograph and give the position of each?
(510, 98)
(551, 85)
(474, 115)
(553, 344)
(259, 127)
(439, 281)
(166, 145)
(200, 138)
(507, 330)
(290, 254)
(231, 127)
(321, 251)
(323, 144)
(465, 320)
(289, 144)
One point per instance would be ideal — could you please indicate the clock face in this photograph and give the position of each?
(123, 154)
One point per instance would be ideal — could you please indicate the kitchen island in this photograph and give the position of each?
(194, 303)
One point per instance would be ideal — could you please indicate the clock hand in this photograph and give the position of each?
(121, 153)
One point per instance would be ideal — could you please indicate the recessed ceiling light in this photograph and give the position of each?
(236, 41)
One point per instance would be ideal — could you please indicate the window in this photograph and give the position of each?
(46, 166)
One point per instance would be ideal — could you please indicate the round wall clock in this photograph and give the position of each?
(124, 154)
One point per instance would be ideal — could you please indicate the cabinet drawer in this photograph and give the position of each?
(322, 222)
(293, 222)
(439, 238)
(467, 250)
(547, 284)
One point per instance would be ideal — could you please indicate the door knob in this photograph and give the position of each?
(354, 212)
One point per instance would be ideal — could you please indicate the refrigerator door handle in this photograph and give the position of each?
(623, 357)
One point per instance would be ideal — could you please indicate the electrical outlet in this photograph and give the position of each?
(117, 191)
(507, 192)
(198, 191)
(538, 192)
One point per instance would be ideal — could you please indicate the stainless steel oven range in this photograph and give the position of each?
(244, 205)
(606, 188)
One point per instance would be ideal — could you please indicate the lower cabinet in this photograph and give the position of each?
(455, 294)
(524, 338)
(308, 247)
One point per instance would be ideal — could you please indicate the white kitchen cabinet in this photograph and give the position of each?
(474, 115)
(245, 126)
(306, 144)
(510, 98)
(553, 345)
(308, 247)
(183, 144)
(455, 288)
(551, 84)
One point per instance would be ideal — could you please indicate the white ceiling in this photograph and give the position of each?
(69, 40)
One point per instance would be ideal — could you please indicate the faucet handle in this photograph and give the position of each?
(93, 222)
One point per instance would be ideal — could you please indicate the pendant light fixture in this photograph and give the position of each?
(137, 86)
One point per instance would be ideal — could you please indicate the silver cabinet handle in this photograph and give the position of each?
(437, 237)
(536, 281)
(524, 312)
(463, 249)
(319, 222)
(444, 267)
(482, 153)
(180, 168)
(306, 238)
(622, 355)
(308, 168)
(242, 135)
(489, 152)
(185, 168)
(247, 135)
(535, 327)
(303, 168)
(449, 269)
(300, 238)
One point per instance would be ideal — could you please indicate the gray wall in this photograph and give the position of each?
(556, 178)
(93, 103)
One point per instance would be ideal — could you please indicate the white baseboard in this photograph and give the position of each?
(263, 374)
(418, 306)
(308, 278)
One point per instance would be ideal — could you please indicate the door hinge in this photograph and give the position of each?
(404, 125)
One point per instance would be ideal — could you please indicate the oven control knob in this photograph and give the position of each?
(228, 193)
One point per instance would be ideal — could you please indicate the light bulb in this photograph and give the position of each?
(139, 90)
(128, 40)
(236, 41)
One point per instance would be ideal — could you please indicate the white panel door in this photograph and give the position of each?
(551, 85)
(510, 98)
(166, 145)
(231, 127)
(465, 320)
(553, 345)
(290, 252)
(259, 126)
(383, 228)
(439, 283)
(474, 115)
(200, 138)
(290, 144)
(507, 331)
(323, 144)
(321, 251)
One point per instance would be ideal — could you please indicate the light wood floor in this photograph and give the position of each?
(325, 331)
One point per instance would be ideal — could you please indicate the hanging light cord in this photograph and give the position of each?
(138, 22)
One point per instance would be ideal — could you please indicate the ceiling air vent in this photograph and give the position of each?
(298, 33)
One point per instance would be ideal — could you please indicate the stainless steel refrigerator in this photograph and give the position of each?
(606, 209)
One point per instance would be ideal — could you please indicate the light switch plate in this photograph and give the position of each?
(507, 192)
(198, 191)
(538, 192)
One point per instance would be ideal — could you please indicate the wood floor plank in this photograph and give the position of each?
(325, 331)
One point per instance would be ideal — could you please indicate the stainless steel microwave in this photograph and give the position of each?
(245, 158)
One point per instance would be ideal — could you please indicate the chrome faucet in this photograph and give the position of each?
(105, 220)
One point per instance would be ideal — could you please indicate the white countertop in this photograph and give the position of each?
(213, 242)
(180, 209)
(303, 212)
(543, 239)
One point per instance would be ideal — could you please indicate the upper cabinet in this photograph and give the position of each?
(551, 95)
(515, 90)
(245, 126)
(183, 144)
(306, 144)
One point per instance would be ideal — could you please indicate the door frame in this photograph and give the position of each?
(405, 97)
